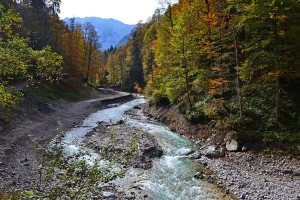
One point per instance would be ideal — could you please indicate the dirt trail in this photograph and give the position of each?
(18, 155)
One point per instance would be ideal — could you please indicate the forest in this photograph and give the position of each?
(231, 64)
(227, 63)
(75, 117)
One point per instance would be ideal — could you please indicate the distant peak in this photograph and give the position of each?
(112, 32)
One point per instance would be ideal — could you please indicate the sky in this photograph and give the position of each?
(127, 11)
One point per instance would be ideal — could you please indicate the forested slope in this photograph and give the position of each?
(39, 51)
(232, 65)
(228, 63)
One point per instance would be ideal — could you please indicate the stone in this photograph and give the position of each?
(153, 152)
(199, 175)
(129, 195)
(243, 196)
(121, 122)
(191, 152)
(232, 145)
(212, 152)
(112, 105)
(137, 107)
(173, 129)
(24, 160)
(108, 195)
(244, 148)
(195, 155)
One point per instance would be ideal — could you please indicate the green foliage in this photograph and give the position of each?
(8, 97)
(7, 20)
(232, 63)
(20, 62)
(14, 52)
(48, 65)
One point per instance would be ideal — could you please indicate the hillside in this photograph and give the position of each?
(111, 31)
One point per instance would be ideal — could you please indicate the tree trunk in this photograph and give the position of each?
(238, 84)
(187, 81)
(277, 83)
(45, 27)
(277, 99)
(89, 64)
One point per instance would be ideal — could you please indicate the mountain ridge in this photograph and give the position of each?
(111, 32)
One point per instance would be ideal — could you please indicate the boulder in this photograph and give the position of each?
(199, 175)
(232, 145)
(112, 105)
(137, 107)
(153, 152)
(121, 122)
(195, 155)
(191, 152)
(212, 152)
(108, 195)
(203, 160)
(129, 195)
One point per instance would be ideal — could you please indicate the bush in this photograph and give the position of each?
(8, 100)
(158, 99)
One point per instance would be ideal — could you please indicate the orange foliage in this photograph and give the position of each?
(138, 88)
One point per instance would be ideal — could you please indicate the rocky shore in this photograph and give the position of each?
(126, 146)
(42, 122)
(243, 174)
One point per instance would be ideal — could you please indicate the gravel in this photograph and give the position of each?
(249, 175)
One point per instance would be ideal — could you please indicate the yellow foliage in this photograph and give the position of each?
(138, 88)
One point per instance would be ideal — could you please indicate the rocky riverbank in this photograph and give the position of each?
(245, 175)
(18, 154)
(122, 144)
(129, 147)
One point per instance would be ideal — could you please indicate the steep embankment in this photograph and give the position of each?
(247, 174)
(18, 155)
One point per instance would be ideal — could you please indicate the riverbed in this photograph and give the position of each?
(170, 177)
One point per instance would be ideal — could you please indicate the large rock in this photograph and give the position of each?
(108, 195)
(153, 152)
(195, 155)
(199, 175)
(212, 152)
(232, 145)
(144, 159)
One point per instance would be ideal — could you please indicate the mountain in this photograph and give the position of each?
(111, 32)
(123, 40)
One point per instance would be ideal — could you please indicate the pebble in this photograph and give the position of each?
(199, 175)
(108, 195)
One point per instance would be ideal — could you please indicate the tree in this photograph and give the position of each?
(136, 66)
(19, 61)
(92, 46)
(270, 54)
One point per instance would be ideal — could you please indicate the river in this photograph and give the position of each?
(172, 175)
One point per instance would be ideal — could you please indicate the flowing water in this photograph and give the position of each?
(171, 176)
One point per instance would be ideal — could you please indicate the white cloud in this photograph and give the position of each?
(128, 11)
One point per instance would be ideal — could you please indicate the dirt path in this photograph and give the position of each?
(18, 155)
